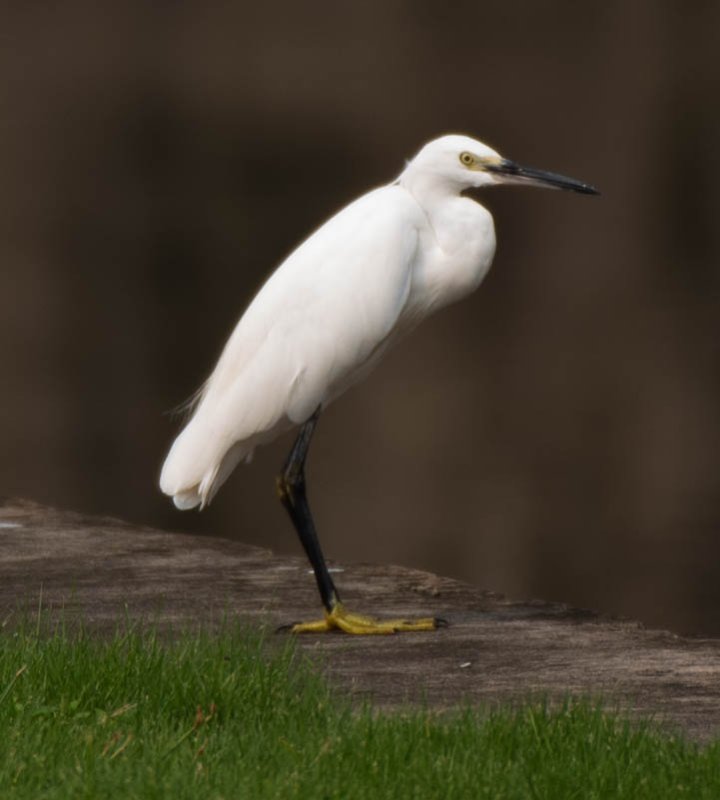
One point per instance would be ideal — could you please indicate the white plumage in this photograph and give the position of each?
(328, 312)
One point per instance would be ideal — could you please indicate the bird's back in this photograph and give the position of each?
(315, 323)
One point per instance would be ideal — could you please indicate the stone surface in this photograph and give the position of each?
(494, 650)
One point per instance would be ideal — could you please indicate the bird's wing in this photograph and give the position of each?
(317, 319)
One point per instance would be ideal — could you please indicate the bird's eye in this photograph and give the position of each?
(466, 158)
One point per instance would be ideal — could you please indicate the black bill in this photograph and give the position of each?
(514, 173)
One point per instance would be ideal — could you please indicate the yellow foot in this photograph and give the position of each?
(340, 619)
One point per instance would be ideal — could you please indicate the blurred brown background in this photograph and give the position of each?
(556, 435)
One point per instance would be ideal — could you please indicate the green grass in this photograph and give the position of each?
(228, 715)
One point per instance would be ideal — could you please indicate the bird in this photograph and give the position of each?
(326, 316)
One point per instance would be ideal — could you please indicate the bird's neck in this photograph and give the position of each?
(456, 221)
(458, 244)
(428, 188)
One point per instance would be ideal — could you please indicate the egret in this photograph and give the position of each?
(327, 315)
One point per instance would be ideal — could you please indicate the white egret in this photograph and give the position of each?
(326, 316)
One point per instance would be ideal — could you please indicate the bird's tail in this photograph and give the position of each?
(198, 464)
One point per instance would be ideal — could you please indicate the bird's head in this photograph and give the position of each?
(457, 162)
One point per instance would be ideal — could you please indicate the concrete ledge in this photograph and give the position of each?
(495, 650)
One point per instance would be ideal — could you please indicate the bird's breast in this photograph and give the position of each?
(456, 252)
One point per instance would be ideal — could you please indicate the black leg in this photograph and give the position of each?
(291, 489)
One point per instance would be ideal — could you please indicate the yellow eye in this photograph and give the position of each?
(467, 158)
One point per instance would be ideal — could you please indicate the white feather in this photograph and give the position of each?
(315, 322)
(326, 315)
